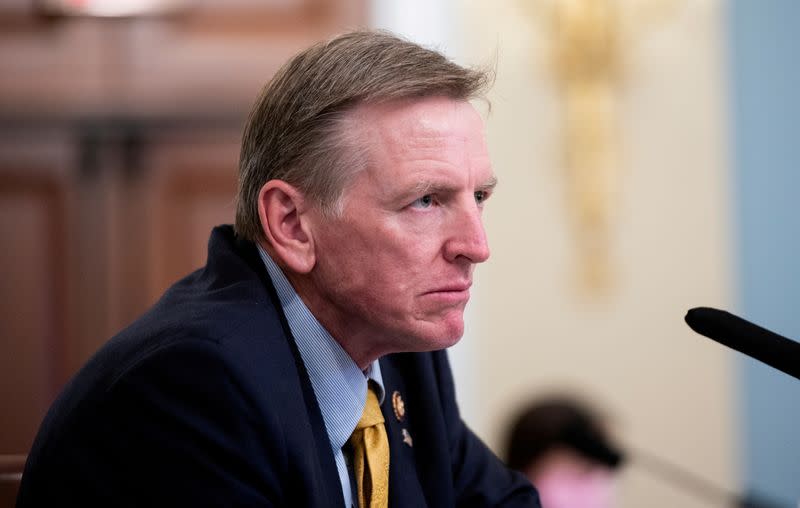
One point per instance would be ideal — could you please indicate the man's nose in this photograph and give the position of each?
(468, 238)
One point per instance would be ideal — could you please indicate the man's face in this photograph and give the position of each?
(393, 272)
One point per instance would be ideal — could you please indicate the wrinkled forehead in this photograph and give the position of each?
(429, 123)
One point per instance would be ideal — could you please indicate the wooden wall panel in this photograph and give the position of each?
(193, 203)
(11, 467)
(192, 189)
(210, 59)
(32, 305)
(119, 142)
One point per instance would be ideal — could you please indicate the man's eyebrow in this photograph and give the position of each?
(489, 184)
(424, 187)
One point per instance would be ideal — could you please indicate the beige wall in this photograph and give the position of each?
(668, 391)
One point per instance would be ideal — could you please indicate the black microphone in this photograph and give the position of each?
(743, 336)
(754, 341)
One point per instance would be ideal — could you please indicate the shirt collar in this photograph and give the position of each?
(339, 385)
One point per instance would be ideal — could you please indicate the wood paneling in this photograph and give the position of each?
(32, 303)
(214, 57)
(192, 202)
(190, 188)
(119, 143)
(11, 467)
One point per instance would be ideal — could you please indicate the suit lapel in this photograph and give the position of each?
(404, 485)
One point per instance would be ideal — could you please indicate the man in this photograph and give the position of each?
(304, 365)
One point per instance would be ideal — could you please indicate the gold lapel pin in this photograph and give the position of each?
(399, 406)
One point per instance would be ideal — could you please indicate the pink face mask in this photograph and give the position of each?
(567, 486)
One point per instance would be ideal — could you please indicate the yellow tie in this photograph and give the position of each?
(371, 456)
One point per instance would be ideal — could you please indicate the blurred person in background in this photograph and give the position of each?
(304, 365)
(561, 445)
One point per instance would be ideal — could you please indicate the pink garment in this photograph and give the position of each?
(563, 486)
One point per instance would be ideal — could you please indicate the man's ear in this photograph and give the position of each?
(286, 228)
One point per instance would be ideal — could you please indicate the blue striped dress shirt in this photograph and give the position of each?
(339, 385)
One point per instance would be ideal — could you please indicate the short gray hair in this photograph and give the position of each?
(296, 133)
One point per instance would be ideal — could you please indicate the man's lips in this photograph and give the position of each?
(457, 287)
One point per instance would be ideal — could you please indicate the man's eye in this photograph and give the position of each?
(424, 202)
(480, 196)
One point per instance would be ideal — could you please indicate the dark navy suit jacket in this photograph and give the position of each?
(204, 401)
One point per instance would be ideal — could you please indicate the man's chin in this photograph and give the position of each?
(446, 334)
